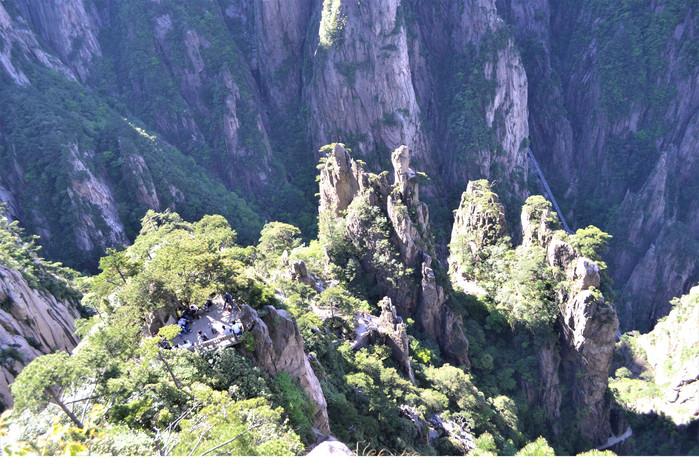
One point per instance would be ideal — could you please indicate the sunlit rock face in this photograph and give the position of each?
(32, 322)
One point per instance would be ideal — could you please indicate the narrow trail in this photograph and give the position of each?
(548, 192)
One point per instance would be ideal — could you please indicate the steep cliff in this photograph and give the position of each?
(113, 107)
(278, 347)
(222, 82)
(32, 322)
(588, 328)
(626, 162)
(39, 303)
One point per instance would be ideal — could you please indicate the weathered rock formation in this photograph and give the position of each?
(221, 82)
(627, 162)
(479, 223)
(387, 227)
(278, 347)
(32, 322)
(581, 359)
(331, 447)
(588, 326)
(387, 329)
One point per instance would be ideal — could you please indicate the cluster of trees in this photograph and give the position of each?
(21, 252)
(121, 393)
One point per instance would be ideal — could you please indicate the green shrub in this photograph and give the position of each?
(296, 405)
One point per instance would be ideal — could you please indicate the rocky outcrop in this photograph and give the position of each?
(69, 27)
(299, 272)
(459, 436)
(388, 329)
(32, 322)
(573, 371)
(589, 325)
(539, 222)
(18, 40)
(388, 228)
(409, 216)
(362, 83)
(223, 82)
(88, 193)
(330, 447)
(340, 180)
(588, 328)
(479, 223)
(278, 347)
(281, 48)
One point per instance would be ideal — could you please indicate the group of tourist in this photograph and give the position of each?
(192, 313)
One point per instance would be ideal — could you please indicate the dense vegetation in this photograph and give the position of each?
(141, 399)
(639, 62)
(53, 127)
(136, 398)
(22, 253)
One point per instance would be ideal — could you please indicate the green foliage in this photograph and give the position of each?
(277, 237)
(21, 253)
(232, 372)
(527, 297)
(296, 405)
(173, 264)
(43, 381)
(52, 125)
(341, 302)
(538, 447)
(226, 427)
(332, 23)
(591, 242)
(485, 446)
(474, 246)
(464, 397)
(597, 453)
(366, 260)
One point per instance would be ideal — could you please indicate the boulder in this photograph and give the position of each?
(277, 346)
(331, 447)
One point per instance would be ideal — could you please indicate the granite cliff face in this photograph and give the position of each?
(32, 322)
(587, 327)
(627, 163)
(222, 82)
(114, 107)
(278, 347)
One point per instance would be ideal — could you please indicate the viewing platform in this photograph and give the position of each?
(215, 323)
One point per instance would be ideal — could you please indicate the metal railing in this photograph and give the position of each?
(232, 338)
